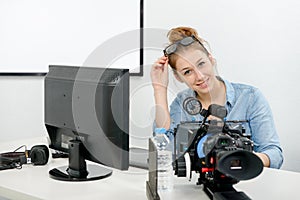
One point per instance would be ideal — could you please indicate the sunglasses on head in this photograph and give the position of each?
(186, 41)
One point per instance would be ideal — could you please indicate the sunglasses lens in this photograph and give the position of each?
(171, 49)
(184, 42)
(187, 41)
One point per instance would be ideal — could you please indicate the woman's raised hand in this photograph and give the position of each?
(159, 74)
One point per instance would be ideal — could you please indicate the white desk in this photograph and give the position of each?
(33, 182)
(272, 184)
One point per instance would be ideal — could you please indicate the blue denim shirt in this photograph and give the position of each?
(243, 102)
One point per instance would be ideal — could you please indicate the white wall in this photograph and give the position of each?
(22, 105)
(254, 42)
(37, 33)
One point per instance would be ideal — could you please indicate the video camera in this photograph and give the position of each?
(220, 151)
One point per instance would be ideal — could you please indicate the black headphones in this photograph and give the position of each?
(38, 155)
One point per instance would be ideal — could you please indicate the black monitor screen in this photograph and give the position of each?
(87, 116)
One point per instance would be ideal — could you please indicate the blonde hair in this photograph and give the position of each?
(178, 33)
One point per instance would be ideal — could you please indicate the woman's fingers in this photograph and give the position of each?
(161, 63)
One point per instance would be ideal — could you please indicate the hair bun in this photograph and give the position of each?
(178, 33)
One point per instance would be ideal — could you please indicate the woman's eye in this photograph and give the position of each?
(201, 64)
(187, 72)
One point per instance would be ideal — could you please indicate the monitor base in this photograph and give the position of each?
(95, 172)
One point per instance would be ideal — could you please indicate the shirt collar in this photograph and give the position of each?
(230, 93)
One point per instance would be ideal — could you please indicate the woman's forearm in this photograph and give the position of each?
(264, 158)
(162, 114)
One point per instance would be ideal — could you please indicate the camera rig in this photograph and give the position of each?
(220, 151)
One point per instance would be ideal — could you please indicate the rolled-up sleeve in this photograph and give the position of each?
(275, 155)
(176, 114)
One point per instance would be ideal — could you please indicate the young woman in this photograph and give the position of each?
(192, 64)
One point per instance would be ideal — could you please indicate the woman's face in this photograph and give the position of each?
(196, 69)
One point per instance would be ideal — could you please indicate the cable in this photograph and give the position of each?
(11, 160)
(20, 148)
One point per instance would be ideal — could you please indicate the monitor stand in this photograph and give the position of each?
(78, 170)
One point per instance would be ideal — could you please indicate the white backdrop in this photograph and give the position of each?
(255, 42)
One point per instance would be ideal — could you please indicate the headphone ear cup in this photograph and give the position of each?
(39, 155)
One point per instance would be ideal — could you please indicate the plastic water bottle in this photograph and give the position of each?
(164, 160)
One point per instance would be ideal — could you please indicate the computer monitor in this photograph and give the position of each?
(87, 116)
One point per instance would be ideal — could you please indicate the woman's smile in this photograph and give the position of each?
(202, 84)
